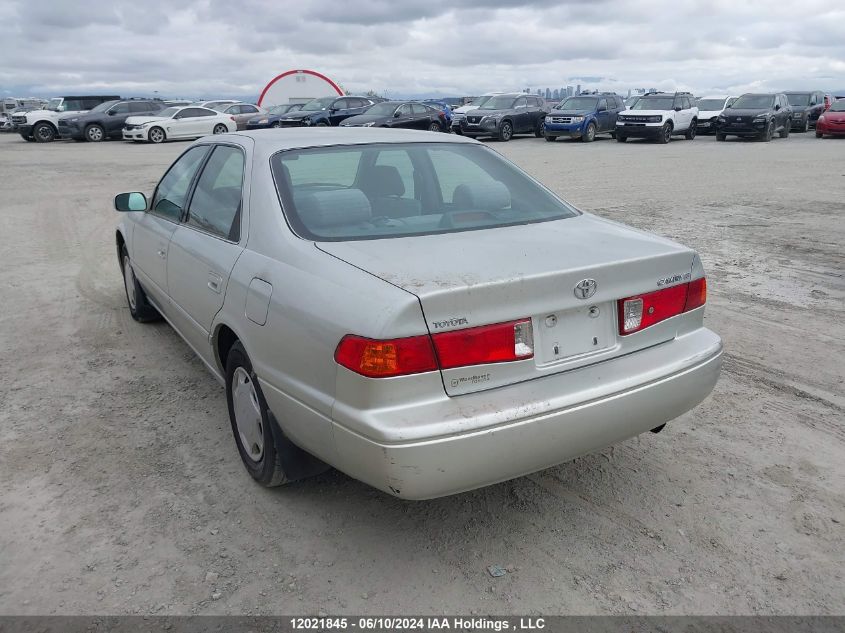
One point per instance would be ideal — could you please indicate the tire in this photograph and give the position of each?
(95, 133)
(457, 131)
(540, 130)
(769, 133)
(262, 459)
(787, 127)
(156, 135)
(819, 134)
(621, 138)
(505, 131)
(276, 124)
(550, 139)
(613, 135)
(139, 306)
(44, 133)
(665, 134)
(321, 124)
(219, 129)
(721, 137)
(690, 133)
(434, 127)
(28, 139)
(806, 127)
(589, 134)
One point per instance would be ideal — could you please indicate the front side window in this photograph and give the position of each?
(318, 104)
(377, 191)
(171, 194)
(120, 108)
(216, 204)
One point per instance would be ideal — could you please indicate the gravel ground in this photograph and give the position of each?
(122, 491)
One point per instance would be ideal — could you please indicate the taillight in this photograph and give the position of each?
(641, 311)
(383, 359)
(497, 343)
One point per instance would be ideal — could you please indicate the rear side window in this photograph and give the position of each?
(141, 106)
(398, 189)
(172, 192)
(216, 203)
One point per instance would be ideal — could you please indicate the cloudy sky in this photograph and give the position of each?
(212, 48)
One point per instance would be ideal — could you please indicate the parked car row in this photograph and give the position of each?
(657, 116)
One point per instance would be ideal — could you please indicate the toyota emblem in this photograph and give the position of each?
(585, 288)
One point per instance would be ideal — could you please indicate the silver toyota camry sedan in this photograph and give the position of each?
(411, 308)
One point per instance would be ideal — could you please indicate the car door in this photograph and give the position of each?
(782, 110)
(602, 116)
(402, 116)
(206, 245)
(420, 116)
(247, 112)
(338, 111)
(521, 116)
(152, 231)
(115, 118)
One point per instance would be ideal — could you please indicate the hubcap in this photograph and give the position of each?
(95, 134)
(220, 129)
(591, 132)
(248, 414)
(506, 131)
(156, 136)
(129, 282)
(44, 132)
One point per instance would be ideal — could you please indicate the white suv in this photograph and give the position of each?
(658, 116)
(709, 109)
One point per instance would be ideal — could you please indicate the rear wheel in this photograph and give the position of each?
(540, 130)
(665, 134)
(276, 124)
(690, 133)
(321, 124)
(94, 133)
(621, 138)
(505, 131)
(139, 307)
(787, 127)
(589, 134)
(434, 127)
(551, 139)
(44, 133)
(220, 129)
(806, 127)
(457, 131)
(156, 135)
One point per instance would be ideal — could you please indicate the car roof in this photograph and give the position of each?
(268, 142)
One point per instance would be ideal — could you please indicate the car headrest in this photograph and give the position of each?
(482, 195)
(382, 180)
(335, 207)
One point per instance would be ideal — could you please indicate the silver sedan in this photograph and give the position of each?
(411, 308)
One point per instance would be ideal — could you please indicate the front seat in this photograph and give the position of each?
(384, 187)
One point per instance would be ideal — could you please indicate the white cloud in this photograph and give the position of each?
(219, 47)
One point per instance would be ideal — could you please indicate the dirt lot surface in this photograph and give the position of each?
(122, 490)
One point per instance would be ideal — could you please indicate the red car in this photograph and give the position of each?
(832, 122)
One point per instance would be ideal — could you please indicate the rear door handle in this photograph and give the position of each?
(162, 254)
(215, 281)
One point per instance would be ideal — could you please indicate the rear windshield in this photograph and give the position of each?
(802, 99)
(358, 192)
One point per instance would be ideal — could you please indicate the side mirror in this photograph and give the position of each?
(397, 114)
(677, 108)
(777, 106)
(134, 201)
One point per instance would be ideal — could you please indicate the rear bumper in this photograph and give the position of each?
(536, 424)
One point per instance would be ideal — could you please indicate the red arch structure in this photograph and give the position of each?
(313, 73)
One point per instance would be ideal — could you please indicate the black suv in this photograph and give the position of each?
(106, 120)
(807, 107)
(504, 115)
(756, 115)
(325, 111)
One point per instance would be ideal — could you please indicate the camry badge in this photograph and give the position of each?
(585, 288)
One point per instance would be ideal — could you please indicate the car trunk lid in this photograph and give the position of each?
(476, 278)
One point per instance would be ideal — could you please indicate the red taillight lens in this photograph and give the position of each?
(696, 294)
(497, 343)
(641, 311)
(383, 359)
